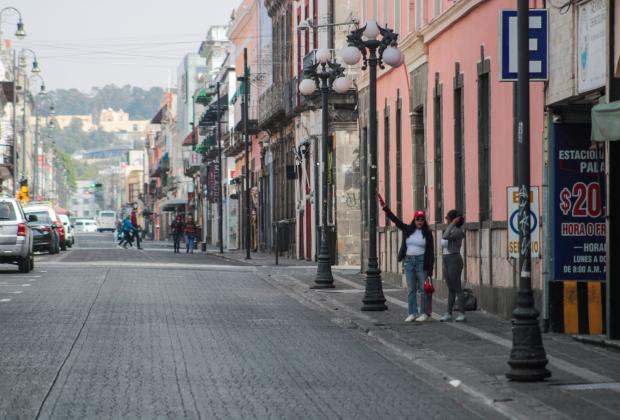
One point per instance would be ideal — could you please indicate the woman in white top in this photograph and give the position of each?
(417, 252)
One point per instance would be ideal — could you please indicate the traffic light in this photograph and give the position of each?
(22, 194)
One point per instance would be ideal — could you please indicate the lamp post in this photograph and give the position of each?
(21, 65)
(220, 212)
(363, 42)
(527, 356)
(35, 166)
(324, 74)
(20, 33)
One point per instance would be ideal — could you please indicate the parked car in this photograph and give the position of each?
(85, 225)
(47, 232)
(61, 233)
(16, 238)
(69, 236)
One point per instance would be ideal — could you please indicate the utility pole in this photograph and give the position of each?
(246, 83)
(220, 235)
(527, 357)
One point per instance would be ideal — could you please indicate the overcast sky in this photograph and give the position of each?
(86, 43)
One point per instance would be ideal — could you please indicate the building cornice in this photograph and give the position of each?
(444, 21)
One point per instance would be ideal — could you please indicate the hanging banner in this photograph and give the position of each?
(578, 200)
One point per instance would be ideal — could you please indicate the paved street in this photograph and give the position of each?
(102, 332)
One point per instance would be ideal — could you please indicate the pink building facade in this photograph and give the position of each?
(446, 136)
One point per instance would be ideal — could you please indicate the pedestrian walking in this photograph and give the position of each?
(451, 241)
(176, 228)
(418, 254)
(135, 232)
(190, 234)
(127, 230)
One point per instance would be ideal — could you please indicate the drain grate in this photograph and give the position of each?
(589, 387)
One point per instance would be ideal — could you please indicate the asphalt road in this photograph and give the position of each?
(102, 332)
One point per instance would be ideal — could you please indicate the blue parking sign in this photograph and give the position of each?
(538, 36)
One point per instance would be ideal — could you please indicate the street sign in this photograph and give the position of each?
(513, 222)
(538, 36)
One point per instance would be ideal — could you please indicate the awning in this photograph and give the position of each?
(158, 117)
(172, 205)
(190, 139)
(203, 96)
(209, 116)
(606, 122)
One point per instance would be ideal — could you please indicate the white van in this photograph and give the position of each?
(106, 221)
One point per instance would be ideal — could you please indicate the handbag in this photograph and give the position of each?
(429, 289)
(470, 300)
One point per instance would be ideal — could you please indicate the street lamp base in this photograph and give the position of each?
(324, 278)
(373, 300)
(527, 357)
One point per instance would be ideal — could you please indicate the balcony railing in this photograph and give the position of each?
(271, 105)
(192, 163)
(252, 115)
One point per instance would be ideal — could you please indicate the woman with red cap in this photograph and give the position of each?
(418, 254)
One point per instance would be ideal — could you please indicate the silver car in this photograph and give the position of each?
(15, 235)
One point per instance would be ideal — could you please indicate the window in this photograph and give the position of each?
(437, 7)
(7, 211)
(386, 13)
(86, 201)
(86, 212)
(484, 143)
(386, 156)
(437, 124)
(418, 14)
(459, 161)
(397, 14)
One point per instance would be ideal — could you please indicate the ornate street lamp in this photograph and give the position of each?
(324, 74)
(35, 70)
(35, 154)
(363, 43)
(20, 33)
(528, 359)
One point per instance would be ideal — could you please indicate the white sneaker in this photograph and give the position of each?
(410, 318)
(422, 318)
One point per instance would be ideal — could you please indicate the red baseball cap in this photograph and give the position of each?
(419, 213)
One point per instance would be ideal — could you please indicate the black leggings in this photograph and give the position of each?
(452, 269)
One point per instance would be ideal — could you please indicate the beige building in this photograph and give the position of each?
(63, 121)
(118, 121)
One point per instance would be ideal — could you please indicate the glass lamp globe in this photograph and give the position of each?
(402, 59)
(342, 85)
(307, 87)
(21, 32)
(372, 30)
(323, 55)
(351, 55)
(391, 56)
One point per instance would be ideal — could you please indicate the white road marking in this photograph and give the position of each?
(5, 300)
(16, 292)
(556, 362)
(170, 266)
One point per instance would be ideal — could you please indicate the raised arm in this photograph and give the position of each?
(453, 232)
(399, 223)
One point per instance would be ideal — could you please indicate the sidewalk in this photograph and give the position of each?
(471, 356)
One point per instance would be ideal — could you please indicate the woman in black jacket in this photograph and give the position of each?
(418, 254)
